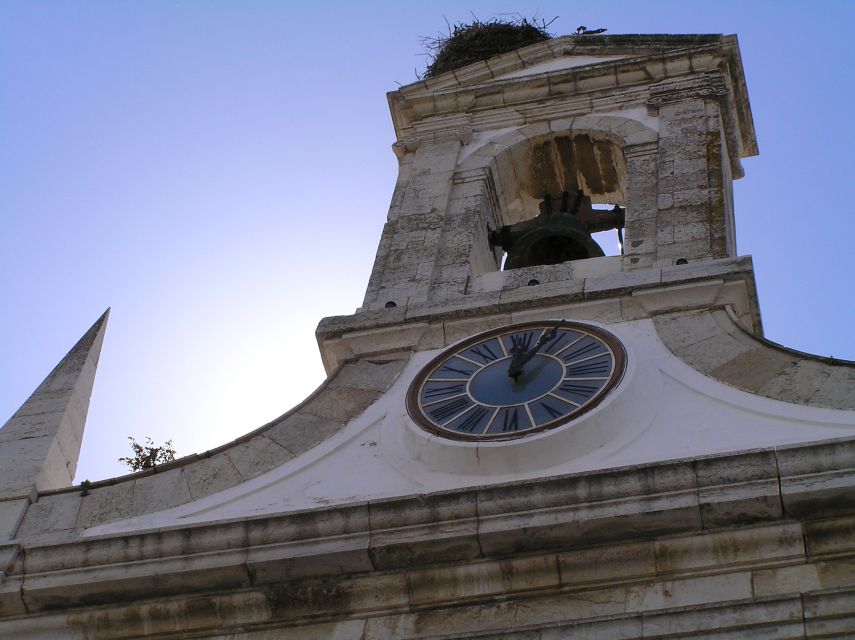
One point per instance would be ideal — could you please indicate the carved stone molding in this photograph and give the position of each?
(642, 149)
(402, 147)
(704, 85)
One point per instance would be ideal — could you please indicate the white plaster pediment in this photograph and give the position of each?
(566, 62)
(662, 410)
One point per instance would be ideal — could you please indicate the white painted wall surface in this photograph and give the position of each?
(567, 62)
(662, 409)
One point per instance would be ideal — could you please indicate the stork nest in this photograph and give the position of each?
(468, 43)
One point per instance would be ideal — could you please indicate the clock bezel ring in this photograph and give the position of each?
(609, 340)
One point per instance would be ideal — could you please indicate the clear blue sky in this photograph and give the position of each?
(219, 173)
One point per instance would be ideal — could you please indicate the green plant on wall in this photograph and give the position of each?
(148, 456)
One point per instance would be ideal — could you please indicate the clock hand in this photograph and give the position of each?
(520, 356)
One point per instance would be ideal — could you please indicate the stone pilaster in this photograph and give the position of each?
(692, 218)
(410, 241)
(642, 171)
(464, 249)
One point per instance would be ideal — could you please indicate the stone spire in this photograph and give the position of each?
(40, 444)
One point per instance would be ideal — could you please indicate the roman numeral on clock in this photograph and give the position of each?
(449, 409)
(435, 392)
(471, 420)
(552, 411)
(511, 420)
(484, 352)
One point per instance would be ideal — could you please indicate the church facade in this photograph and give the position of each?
(577, 445)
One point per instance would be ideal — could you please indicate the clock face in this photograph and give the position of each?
(516, 380)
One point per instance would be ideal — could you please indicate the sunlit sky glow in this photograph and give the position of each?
(219, 173)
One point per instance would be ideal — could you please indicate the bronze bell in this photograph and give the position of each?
(556, 236)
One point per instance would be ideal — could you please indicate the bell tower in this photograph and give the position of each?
(520, 158)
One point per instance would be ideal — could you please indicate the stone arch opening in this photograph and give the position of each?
(551, 164)
(549, 186)
(594, 153)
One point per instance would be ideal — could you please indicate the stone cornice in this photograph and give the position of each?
(617, 295)
(475, 88)
(679, 89)
(433, 112)
(461, 134)
(398, 547)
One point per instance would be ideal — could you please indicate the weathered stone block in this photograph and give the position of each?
(830, 537)
(712, 352)
(106, 504)
(838, 389)
(338, 596)
(682, 329)
(622, 282)
(820, 494)
(796, 383)
(477, 581)
(617, 562)
(617, 629)
(112, 584)
(51, 513)
(771, 620)
(452, 306)
(11, 604)
(690, 591)
(760, 464)
(160, 491)
(414, 531)
(461, 328)
(706, 269)
(585, 488)
(422, 509)
(751, 369)
(333, 556)
(11, 514)
(467, 621)
(687, 249)
(805, 578)
(691, 232)
(300, 431)
(257, 455)
(583, 524)
(424, 544)
(310, 524)
(210, 475)
(553, 292)
(342, 406)
(743, 547)
(376, 376)
(830, 615)
(830, 455)
(336, 325)
(740, 503)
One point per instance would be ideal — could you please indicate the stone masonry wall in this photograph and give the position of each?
(409, 246)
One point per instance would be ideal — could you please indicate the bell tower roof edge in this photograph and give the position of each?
(655, 56)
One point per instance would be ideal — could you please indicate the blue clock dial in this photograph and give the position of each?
(515, 381)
